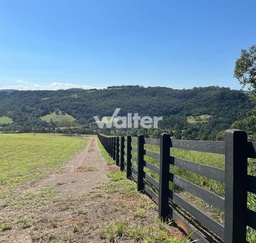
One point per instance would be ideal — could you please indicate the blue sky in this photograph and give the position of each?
(55, 44)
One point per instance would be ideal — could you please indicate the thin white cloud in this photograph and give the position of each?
(38, 86)
(56, 85)
(24, 85)
(62, 85)
(20, 81)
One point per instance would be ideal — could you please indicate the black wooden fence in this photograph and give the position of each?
(129, 153)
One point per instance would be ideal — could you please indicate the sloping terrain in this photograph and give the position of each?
(30, 106)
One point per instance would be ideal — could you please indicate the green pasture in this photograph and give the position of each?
(215, 160)
(5, 120)
(119, 184)
(26, 157)
(198, 119)
(210, 159)
(63, 120)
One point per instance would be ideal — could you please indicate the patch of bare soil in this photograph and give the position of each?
(82, 173)
(80, 204)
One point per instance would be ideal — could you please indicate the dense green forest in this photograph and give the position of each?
(183, 111)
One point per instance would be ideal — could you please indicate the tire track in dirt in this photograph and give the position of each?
(84, 209)
(82, 173)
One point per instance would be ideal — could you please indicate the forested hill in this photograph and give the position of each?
(26, 108)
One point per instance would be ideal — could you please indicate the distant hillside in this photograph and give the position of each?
(60, 118)
(26, 108)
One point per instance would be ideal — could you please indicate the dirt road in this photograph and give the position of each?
(80, 204)
(82, 173)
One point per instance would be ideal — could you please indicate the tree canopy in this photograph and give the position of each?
(245, 72)
(245, 68)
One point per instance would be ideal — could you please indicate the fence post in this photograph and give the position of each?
(114, 148)
(140, 162)
(128, 157)
(122, 154)
(117, 150)
(112, 140)
(235, 186)
(163, 205)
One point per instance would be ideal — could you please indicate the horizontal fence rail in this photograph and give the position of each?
(158, 172)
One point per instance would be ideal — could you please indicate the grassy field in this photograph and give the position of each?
(215, 160)
(5, 120)
(26, 157)
(198, 119)
(62, 119)
(156, 231)
(111, 212)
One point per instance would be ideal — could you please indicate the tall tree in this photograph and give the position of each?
(245, 72)
(245, 68)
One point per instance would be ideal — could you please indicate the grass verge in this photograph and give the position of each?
(145, 226)
(27, 157)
